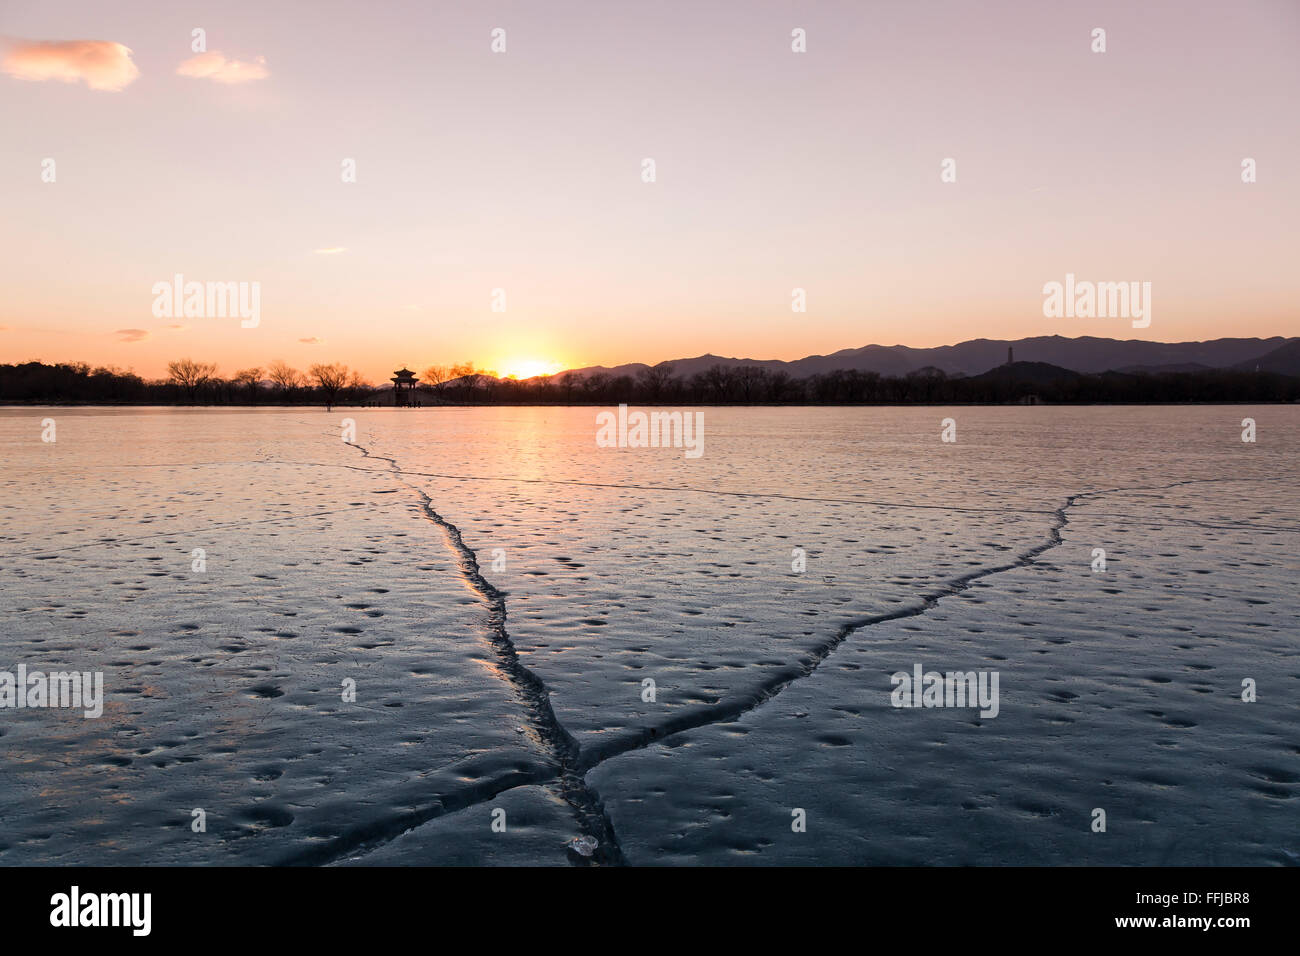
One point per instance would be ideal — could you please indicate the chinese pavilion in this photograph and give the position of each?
(403, 387)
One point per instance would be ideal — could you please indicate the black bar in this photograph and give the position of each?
(593, 906)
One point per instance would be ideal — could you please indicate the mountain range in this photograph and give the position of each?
(1086, 354)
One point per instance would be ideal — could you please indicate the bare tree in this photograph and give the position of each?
(469, 376)
(718, 381)
(656, 379)
(283, 376)
(568, 382)
(190, 375)
(778, 384)
(249, 377)
(331, 378)
(595, 383)
(750, 379)
(436, 376)
(358, 385)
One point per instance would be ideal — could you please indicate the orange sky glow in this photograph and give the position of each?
(498, 211)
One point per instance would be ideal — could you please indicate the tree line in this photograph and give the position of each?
(188, 382)
(757, 385)
(193, 382)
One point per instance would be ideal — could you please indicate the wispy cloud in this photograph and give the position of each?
(132, 335)
(176, 326)
(331, 251)
(213, 65)
(100, 64)
(312, 341)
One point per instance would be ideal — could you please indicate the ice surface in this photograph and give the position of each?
(521, 686)
(535, 826)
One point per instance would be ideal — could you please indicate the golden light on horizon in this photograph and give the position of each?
(522, 368)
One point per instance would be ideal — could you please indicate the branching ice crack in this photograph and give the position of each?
(573, 762)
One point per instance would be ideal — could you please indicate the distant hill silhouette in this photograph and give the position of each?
(1084, 354)
(1284, 360)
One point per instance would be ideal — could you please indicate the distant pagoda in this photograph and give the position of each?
(403, 387)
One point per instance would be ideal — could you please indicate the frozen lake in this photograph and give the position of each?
(688, 659)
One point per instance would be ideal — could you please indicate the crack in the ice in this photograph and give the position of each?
(368, 836)
(575, 762)
(870, 502)
(726, 711)
(729, 710)
(561, 746)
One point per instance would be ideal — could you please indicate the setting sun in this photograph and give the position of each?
(527, 368)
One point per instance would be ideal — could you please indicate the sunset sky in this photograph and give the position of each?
(522, 171)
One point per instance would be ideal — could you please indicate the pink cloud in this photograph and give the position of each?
(312, 341)
(214, 66)
(100, 64)
(132, 335)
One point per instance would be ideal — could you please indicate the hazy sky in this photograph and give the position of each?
(523, 171)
